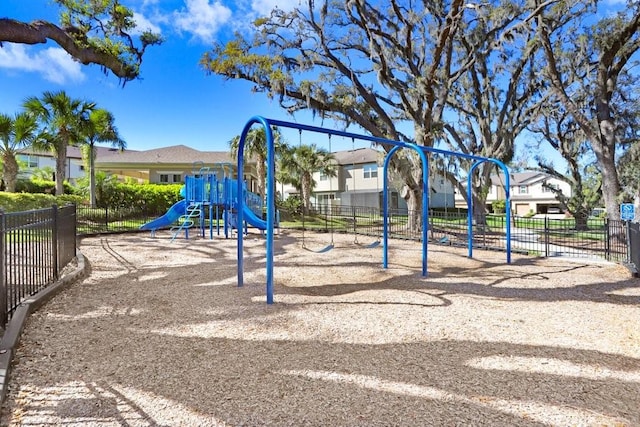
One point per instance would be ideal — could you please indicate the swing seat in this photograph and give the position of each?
(372, 245)
(444, 240)
(323, 250)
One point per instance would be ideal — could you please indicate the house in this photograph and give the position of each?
(531, 192)
(37, 159)
(171, 164)
(359, 182)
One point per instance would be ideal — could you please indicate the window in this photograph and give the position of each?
(523, 189)
(370, 171)
(169, 177)
(548, 188)
(30, 161)
(324, 198)
(323, 177)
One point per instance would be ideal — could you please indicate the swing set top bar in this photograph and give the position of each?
(267, 123)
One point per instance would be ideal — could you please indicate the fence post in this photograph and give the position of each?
(633, 247)
(607, 238)
(628, 236)
(54, 238)
(546, 236)
(3, 272)
(106, 219)
(75, 229)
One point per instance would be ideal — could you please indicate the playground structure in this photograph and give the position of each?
(205, 193)
(421, 151)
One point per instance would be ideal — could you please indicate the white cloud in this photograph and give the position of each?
(202, 18)
(54, 64)
(144, 24)
(264, 7)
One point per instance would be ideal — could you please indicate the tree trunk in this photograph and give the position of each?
(261, 172)
(306, 192)
(479, 208)
(92, 176)
(413, 197)
(10, 172)
(604, 149)
(61, 160)
(581, 217)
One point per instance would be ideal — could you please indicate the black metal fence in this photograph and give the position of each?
(34, 247)
(111, 220)
(544, 236)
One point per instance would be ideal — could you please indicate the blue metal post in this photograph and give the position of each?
(470, 212)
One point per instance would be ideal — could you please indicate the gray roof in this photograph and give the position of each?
(357, 156)
(520, 178)
(72, 152)
(177, 154)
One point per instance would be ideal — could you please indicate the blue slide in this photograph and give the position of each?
(172, 215)
(252, 219)
(249, 217)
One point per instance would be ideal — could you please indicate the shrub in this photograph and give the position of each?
(18, 202)
(290, 207)
(41, 186)
(147, 198)
(498, 206)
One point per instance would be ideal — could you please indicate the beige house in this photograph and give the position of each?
(36, 159)
(530, 193)
(171, 164)
(359, 182)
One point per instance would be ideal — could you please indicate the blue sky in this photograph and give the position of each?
(174, 102)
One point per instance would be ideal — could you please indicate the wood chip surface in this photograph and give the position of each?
(159, 334)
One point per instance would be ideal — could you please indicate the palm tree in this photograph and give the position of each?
(99, 127)
(62, 120)
(300, 163)
(255, 146)
(15, 133)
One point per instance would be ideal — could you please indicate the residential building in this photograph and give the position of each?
(36, 159)
(359, 182)
(531, 193)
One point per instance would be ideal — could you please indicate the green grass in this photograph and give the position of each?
(26, 235)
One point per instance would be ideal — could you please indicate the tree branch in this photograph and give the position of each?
(38, 32)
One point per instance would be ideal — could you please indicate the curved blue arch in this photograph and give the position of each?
(425, 203)
(270, 201)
